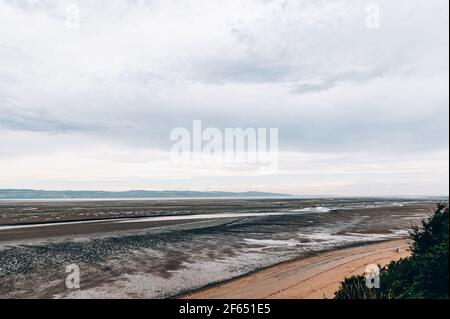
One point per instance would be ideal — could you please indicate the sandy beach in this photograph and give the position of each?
(314, 277)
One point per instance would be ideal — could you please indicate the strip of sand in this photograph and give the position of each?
(313, 277)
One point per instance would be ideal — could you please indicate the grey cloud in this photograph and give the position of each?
(52, 8)
(146, 79)
(244, 71)
(336, 49)
(313, 87)
(7, 78)
(302, 78)
(132, 74)
(139, 102)
(19, 120)
(331, 81)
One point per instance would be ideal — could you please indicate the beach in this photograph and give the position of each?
(291, 248)
(314, 277)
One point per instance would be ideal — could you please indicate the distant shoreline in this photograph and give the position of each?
(87, 199)
(87, 195)
(32, 194)
(287, 197)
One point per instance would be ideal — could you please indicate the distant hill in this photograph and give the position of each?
(43, 194)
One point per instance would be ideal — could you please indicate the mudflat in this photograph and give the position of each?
(161, 249)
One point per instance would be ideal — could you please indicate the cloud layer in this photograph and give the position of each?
(116, 86)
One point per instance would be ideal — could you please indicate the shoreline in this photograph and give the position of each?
(316, 276)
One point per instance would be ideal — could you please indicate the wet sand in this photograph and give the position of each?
(307, 278)
(41, 220)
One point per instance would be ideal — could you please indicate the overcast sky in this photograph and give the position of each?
(361, 109)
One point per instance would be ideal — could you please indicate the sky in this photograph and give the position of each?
(90, 91)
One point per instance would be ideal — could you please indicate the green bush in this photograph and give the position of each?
(424, 275)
